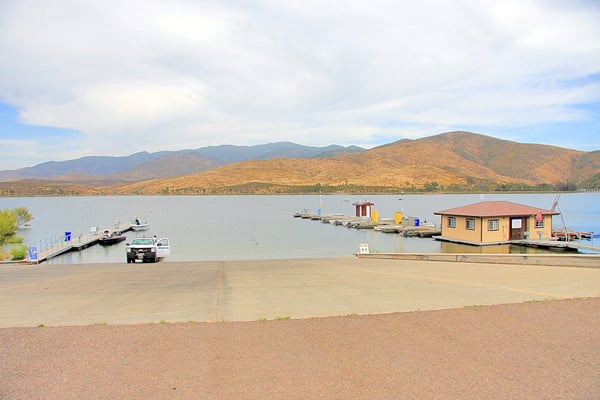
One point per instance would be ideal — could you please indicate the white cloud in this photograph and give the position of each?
(116, 106)
(314, 72)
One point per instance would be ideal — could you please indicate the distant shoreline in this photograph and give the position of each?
(390, 191)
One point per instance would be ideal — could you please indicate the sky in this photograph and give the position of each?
(115, 77)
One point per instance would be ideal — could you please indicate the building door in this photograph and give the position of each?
(518, 227)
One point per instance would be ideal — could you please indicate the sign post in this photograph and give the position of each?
(33, 254)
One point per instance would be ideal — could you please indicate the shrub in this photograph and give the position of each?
(19, 252)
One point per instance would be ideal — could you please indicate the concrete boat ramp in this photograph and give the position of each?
(252, 290)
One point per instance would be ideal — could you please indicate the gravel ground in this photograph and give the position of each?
(541, 350)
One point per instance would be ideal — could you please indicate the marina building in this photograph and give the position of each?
(495, 222)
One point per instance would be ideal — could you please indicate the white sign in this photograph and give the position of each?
(33, 254)
(516, 223)
(363, 248)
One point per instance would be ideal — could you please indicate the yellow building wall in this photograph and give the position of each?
(501, 235)
(540, 233)
(461, 232)
(481, 234)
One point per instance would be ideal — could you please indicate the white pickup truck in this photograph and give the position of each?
(147, 249)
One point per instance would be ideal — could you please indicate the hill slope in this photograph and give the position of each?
(164, 164)
(447, 160)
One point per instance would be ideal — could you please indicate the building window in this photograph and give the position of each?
(539, 224)
(493, 225)
(470, 223)
(451, 222)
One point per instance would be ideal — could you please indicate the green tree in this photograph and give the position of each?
(23, 216)
(568, 186)
(431, 186)
(8, 226)
(10, 220)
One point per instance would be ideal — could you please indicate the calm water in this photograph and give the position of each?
(260, 227)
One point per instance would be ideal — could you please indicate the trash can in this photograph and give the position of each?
(67, 236)
(417, 222)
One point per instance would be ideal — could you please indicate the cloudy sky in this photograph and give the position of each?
(114, 77)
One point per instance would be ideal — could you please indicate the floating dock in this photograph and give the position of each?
(72, 243)
(410, 227)
(558, 245)
(548, 244)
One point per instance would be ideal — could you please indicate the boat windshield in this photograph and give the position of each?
(143, 242)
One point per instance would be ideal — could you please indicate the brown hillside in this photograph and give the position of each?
(453, 158)
(585, 166)
(533, 162)
(484, 157)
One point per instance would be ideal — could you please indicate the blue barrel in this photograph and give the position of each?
(67, 236)
(417, 222)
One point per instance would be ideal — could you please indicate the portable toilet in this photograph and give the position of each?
(398, 218)
(375, 216)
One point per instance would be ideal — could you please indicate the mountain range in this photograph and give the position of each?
(450, 161)
(144, 165)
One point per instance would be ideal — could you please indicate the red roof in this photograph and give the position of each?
(496, 209)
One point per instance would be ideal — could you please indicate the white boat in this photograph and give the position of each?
(144, 226)
(138, 225)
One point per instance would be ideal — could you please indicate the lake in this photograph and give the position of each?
(203, 228)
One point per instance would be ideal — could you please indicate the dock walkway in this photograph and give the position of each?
(78, 243)
(75, 243)
(385, 225)
(558, 244)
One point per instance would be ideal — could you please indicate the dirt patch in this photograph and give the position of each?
(542, 350)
